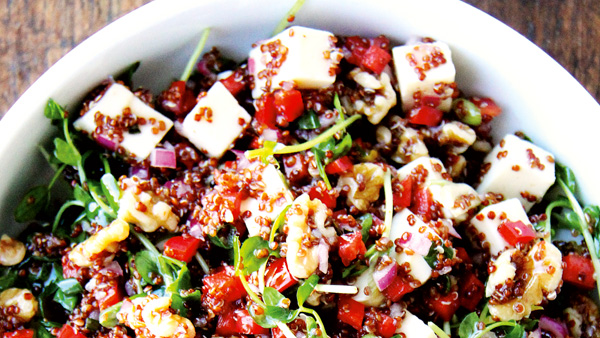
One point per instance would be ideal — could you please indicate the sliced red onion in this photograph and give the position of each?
(451, 230)
(167, 145)
(141, 170)
(106, 142)
(323, 253)
(418, 243)
(195, 228)
(557, 328)
(203, 68)
(95, 315)
(112, 267)
(163, 158)
(251, 64)
(243, 162)
(384, 277)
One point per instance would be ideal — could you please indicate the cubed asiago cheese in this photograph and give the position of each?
(304, 57)
(140, 129)
(516, 168)
(456, 199)
(413, 327)
(484, 226)
(215, 122)
(431, 168)
(425, 69)
(272, 197)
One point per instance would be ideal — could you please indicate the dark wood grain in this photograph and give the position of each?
(34, 34)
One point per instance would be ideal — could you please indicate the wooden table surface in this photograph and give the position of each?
(34, 34)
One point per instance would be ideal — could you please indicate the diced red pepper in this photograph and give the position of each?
(23, 333)
(398, 288)
(516, 232)
(340, 166)
(278, 275)
(350, 311)
(357, 47)
(445, 305)
(350, 246)
(403, 198)
(386, 326)
(236, 321)
(266, 113)
(178, 99)
(235, 82)
(289, 104)
(182, 248)
(376, 58)
(222, 285)
(111, 296)
(487, 106)
(421, 202)
(70, 269)
(579, 271)
(431, 101)
(425, 115)
(320, 192)
(471, 291)
(67, 331)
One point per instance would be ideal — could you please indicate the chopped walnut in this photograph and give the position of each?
(363, 183)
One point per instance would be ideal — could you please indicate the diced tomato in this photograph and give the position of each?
(471, 291)
(278, 275)
(296, 169)
(178, 99)
(235, 82)
(487, 106)
(222, 285)
(462, 254)
(23, 333)
(350, 311)
(289, 104)
(350, 246)
(445, 305)
(579, 271)
(70, 269)
(110, 296)
(320, 192)
(516, 232)
(376, 58)
(421, 202)
(386, 327)
(67, 331)
(398, 288)
(182, 248)
(425, 115)
(340, 166)
(236, 321)
(402, 198)
(266, 113)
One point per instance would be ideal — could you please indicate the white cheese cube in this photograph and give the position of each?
(456, 199)
(434, 167)
(413, 327)
(519, 169)
(117, 102)
(425, 69)
(269, 203)
(303, 56)
(417, 239)
(215, 122)
(485, 224)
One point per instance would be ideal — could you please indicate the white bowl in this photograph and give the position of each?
(538, 96)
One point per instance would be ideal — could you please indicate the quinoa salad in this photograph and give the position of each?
(326, 186)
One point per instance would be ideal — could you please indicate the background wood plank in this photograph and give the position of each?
(34, 34)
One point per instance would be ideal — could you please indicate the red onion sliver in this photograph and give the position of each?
(181, 189)
(106, 142)
(384, 277)
(243, 162)
(557, 328)
(142, 171)
(163, 158)
(418, 243)
(112, 267)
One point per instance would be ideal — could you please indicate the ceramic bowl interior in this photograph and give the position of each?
(538, 96)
